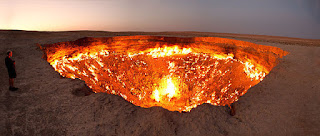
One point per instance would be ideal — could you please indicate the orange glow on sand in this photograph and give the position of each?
(177, 74)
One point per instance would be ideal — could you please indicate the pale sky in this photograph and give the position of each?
(291, 18)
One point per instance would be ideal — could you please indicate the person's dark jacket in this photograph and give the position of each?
(11, 67)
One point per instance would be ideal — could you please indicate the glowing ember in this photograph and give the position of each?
(175, 73)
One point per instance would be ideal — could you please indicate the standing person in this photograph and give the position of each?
(11, 70)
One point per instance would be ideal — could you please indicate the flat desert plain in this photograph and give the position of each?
(286, 102)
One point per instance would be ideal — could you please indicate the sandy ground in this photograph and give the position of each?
(286, 102)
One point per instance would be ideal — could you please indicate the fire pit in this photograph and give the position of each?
(175, 73)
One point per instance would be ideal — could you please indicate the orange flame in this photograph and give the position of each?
(177, 74)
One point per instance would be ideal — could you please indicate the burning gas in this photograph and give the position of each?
(175, 73)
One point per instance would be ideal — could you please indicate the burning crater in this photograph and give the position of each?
(175, 73)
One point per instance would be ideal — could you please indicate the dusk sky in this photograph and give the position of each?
(291, 18)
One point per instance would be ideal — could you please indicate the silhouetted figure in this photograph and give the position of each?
(11, 70)
(232, 109)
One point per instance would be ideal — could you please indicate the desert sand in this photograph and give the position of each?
(286, 102)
